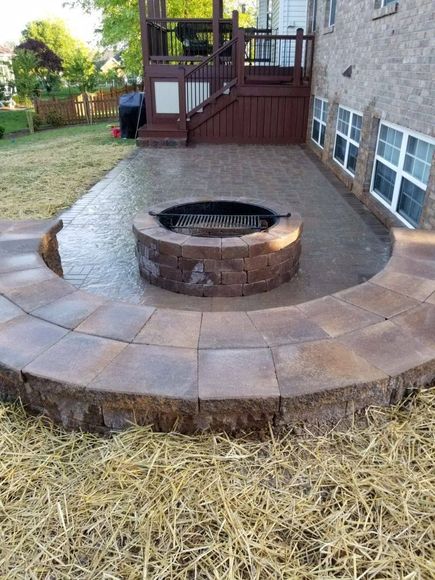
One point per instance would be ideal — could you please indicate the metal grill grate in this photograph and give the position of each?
(219, 222)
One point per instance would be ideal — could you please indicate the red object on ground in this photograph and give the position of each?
(116, 132)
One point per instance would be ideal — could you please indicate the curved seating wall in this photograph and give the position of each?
(87, 362)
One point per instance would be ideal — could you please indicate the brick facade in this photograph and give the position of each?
(391, 51)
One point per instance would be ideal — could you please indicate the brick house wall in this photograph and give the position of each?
(391, 52)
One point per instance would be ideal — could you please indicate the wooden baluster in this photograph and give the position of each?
(182, 98)
(241, 57)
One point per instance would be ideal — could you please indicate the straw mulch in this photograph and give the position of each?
(352, 504)
(44, 173)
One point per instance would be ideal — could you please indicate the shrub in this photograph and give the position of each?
(37, 122)
(55, 119)
(2, 131)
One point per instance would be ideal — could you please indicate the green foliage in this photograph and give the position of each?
(13, 120)
(120, 24)
(37, 122)
(81, 71)
(55, 119)
(55, 34)
(25, 66)
(2, 131)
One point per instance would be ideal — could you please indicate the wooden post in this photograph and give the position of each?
(241, 57)
(216, 26)
(144, 33)
(146, 57)
(235, 34)
(297, 69)
(88, 108)
(29, 119)
(182, 98)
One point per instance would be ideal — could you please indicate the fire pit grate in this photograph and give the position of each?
(212, 224)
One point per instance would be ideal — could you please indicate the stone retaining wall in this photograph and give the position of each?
(89, 363)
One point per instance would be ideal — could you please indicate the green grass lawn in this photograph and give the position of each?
(46, 172)
(13, 120)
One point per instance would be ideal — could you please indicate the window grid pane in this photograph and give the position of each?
(322, 135)
(332, 7)
(355, 130)
(384, 181)
(411, 199)
(340, 149)
(418, 159)
(325, 111)
(343, 121)
(317, 108)
(320, 113)
(316, 130)
(352, 157)
(389, 144)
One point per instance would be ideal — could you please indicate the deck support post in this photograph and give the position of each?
(297, 71)
(235, 33)
(146, 57)
(216, 18)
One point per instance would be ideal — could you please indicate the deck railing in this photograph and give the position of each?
(278, 57)
(175, 40)
(213, 77)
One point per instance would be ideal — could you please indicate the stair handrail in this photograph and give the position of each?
(221, 82)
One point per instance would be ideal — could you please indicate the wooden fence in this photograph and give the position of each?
(85, 108)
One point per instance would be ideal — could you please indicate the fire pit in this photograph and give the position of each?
(218, 247)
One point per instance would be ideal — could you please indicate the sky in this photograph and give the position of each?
(15, 14)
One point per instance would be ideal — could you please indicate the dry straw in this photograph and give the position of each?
(351, 504)
(49, 171)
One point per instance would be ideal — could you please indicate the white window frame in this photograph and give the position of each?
(386, 2)
(330, 15)
(347, 138)
(320, 121)
(398, 170)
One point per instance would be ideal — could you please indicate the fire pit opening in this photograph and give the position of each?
(218, 248)
(217, 218)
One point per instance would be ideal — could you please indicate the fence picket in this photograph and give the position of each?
(82, 108)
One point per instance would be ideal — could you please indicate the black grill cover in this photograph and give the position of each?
(131, 105)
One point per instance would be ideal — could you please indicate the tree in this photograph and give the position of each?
(49, 64)
(55, 35)
(121, 28)
(81, 71)
(25, 66)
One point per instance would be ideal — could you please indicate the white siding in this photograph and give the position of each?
(262, 13)
(294, 15)
(276, 20)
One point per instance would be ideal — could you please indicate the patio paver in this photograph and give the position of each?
(342, 245)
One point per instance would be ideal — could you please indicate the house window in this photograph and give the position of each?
(314, 16)
(401, 171)
(332, 6)
(386, 2)
(320, 115)
(347, 138)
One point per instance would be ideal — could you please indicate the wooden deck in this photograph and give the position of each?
(209, 81)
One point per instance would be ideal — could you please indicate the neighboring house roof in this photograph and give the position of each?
(6, 51)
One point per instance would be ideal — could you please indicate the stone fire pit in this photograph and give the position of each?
(218, 247)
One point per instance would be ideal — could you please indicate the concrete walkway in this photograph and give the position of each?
(343, 244)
